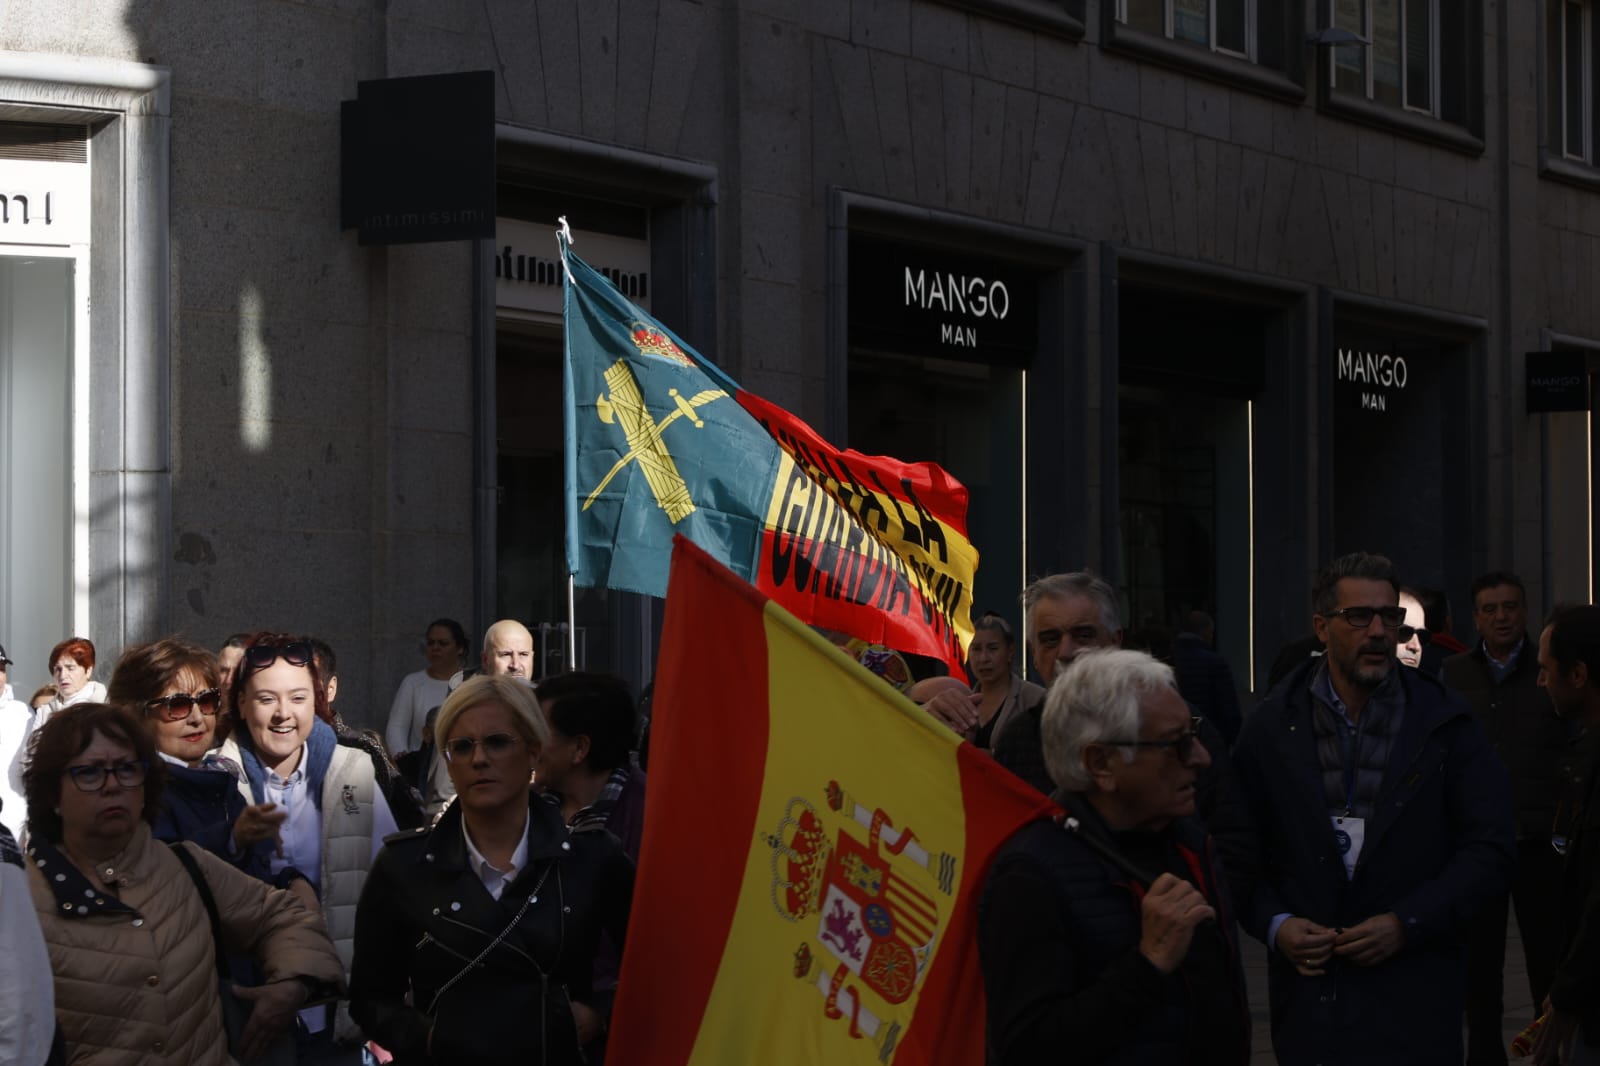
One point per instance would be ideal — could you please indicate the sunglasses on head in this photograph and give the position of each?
(261, 656)
(176, 707)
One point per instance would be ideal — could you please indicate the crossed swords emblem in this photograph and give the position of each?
(645, 446)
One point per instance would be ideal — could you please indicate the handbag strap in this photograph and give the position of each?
(204, 889)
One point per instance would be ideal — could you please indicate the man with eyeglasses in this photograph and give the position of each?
(1499, 679)
(1108, 936)
(1383, 823)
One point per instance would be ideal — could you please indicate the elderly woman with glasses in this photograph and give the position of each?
(129, 937)
(173, 687)
(335, 816)
(476, 940)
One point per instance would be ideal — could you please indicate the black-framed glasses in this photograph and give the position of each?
(176, 707)
(494, 746)
(93, 778)
(1182, 746)
(261, 656)
(1361, 617)
(1404, 634)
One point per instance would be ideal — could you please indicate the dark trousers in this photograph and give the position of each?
(1535, 888)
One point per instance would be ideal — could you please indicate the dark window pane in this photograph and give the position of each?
(1190, 21)
(1386, 52)
(1349, 60)
(1572, 74)
(1231, 33)
(1147, 15)
(1419, 54)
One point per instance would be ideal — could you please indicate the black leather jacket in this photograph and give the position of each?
(418, 985)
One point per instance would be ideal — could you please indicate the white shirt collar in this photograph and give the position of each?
(493, 879)
(299, 774)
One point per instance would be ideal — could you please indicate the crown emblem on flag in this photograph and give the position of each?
(652, 341)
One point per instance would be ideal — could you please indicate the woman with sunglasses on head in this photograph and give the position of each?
(476, 940)
(172, 686)
(335, 815)
(130, 941)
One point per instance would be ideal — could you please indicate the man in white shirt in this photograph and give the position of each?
(16, 723)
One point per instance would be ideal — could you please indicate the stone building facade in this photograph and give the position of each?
(1270, 273)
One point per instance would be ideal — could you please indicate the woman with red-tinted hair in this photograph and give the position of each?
(72, 665)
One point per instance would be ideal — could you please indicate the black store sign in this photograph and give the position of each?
(930, 302)
(1557, 381)
(417, 159)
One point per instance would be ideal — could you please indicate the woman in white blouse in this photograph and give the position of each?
(336, 815)
(445, 646)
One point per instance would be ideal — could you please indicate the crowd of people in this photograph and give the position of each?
(216, 867)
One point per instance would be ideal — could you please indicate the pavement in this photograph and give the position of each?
(1518, 1001)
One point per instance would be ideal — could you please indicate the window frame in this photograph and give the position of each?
(1585, 153)
(1275, 66)
(1169, 24)
(1456, 50)
(1369, 68)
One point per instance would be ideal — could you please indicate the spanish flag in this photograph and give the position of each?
(813, 856)
(659, 442)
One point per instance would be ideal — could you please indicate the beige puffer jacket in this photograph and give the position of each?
(135, 973)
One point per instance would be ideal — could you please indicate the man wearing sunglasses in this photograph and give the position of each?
(1110, 937)
(1383, 821)
(1499, 679)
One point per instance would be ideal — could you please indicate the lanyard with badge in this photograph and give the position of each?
(1349, 831)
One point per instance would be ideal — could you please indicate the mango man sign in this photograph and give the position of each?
(660, 441)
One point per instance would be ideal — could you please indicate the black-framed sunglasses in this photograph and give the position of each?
(93, 778)
(494, 746)
(1361, 617)
(1182, 746)
(1404, 634)
(176, 707)
(261, 656)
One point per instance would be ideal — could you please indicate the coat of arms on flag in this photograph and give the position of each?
(816, 845)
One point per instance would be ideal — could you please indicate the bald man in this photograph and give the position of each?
(508, 649)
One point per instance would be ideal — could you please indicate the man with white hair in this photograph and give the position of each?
(1110, 934)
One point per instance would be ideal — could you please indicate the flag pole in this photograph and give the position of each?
(563, 242)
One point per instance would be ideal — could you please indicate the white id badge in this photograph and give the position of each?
(1351, 833)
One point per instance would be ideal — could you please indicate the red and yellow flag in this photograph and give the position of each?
(813, 855)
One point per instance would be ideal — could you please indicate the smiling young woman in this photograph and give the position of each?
(335, 815)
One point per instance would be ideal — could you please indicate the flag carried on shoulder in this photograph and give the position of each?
(659, 442)
(808, 883)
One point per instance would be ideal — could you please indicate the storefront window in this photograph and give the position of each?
(1190, 366)
(36, 529)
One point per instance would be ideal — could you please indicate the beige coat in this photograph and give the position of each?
(135, 974)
